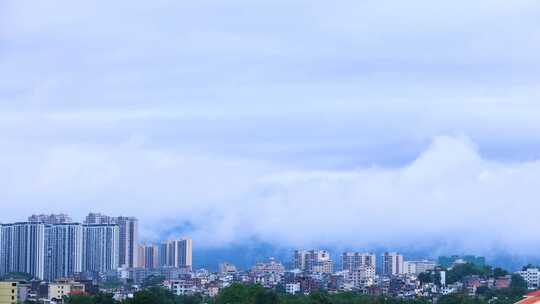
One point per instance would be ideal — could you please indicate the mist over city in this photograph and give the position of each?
(255, 129)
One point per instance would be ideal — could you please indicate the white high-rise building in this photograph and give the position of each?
(531, 276)
(23, 248)
(392, 264)
(63, 250)
(128, 236)
(148, 256)
(418, 267)
(100, 247)
(176, 253)
(313, 261)
(98, 218)
(129, 240)
(354, 260)
(50, 219)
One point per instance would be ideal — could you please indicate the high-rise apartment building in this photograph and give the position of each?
(313, 261)
(128, 236)
(299, 259)
(23, 248)
(176, 253)
(148, 256)
(63, 250)
(354, 260)
(417, 267)
(50, 219)
(129, 240)
(100, 247)
(392, 264)
(98, 219)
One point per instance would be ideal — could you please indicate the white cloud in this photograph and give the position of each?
(449, 192)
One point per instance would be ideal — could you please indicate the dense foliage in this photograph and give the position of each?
(460, 271)
(256, 294)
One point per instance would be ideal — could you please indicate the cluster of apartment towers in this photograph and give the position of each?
(392, 263)
(51, 247)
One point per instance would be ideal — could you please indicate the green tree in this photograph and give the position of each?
(100, 298)
(153, 281)
(152, 295)
(518, 283)
(499, 272)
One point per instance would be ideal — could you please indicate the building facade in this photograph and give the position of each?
(392, 264)
(176, 253)
(8, 292)
(129, 240)
(50, 219)
(64, 248)
(355, 260)
(418, 267)
(23, 248)
(100, 247)
(317, 261)
(531, 276)
(148, 256)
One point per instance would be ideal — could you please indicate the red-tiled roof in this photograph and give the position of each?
(529, 300)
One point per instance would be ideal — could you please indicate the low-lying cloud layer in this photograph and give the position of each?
(449, 192)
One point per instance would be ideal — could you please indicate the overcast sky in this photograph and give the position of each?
(299, 123)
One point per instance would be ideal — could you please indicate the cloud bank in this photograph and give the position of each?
(449, 192)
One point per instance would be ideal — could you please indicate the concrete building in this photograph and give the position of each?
(59, 289)
(317, 261)
(148, 256)
(129, 240)
(409, 268)
(100, 247)
(23, 248)
(8, 292)
(64, 250)
(531, 276)
(355, 260)
(418, 267)
(50, 219)
(128, 236)
(363, 276)
(176, 253)
(267, 267)
(98, 219)
(292, 288)
(299, 259)
(181, 287)
(392, 264)
(225, 268)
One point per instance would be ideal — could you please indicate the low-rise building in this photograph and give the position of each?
(8, 292)
(292, 288)
(59, 289)
(531, 276)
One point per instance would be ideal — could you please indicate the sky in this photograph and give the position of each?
(296, 123)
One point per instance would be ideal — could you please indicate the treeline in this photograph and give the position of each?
(256, 294)
(241, 294)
